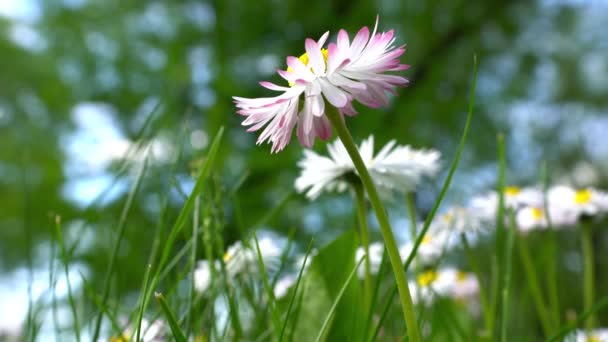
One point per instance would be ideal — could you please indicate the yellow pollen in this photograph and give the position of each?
(537, 213)
(119, 339)
(448, 217)
(227, 257)
(427, 278)
(304, 59)
(582, 196)
(593, 338)
(426, 239)
(461, 276)
(512, 190)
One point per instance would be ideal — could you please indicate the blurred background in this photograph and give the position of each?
(90, 86)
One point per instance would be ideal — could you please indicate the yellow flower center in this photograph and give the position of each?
(304, 59)
(119, 339)
(227, 256)
(461, 276)
(426, 239)
(537, 213)
(427, 278)
(582, 196)
(593, 338)
(512, 190)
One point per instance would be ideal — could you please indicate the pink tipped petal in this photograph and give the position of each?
(322, 128)
(323, 39)
(273, 86)
(317, 105)
(343, 40)
(315, 57)
(299, 69)
(359, 41)
(333, 94)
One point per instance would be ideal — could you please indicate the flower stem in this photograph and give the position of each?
(483, 295)
(507, 278)
(588, 274)
(364, 231)
(391, 246)
(532, 279)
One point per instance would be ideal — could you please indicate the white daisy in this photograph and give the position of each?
(515, 198)
(432, 246)
(567, 205)
(459, 220)
(529, 218)
(240, 258)
(596, 335)
(344, 72)
(398, 168)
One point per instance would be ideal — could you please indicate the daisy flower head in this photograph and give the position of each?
(515, 198)
(595, 335)
(150, 332)
(339, 74)
(567, 205)
(240, 258)
(432, 247)
(459, 220)
(393, 168)
(529, 218)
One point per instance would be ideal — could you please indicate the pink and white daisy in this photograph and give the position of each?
(343, 72)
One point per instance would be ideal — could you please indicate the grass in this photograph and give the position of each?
(326, 301)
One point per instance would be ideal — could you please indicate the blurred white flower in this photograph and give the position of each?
(376, 249)
(515, 198)
(446, 282)
(240, 258)
(281, 288)
(394, 168)
(529, 218)
(596, 335)
(202, 275)
(567, 205)
(431, 248)
(459, 220)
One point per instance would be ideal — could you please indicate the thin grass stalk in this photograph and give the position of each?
(532, 280)
(508, 267)
(588, 273)
(364, 233)
(483, 295)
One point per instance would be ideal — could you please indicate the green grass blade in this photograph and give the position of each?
(185, 211)
(295, 291)
(97, 301)
(276, 321)
(332, 310)
(580, 320)
(194, 239)
(446, 184)
(140, 316)
(66, 268)
(121, 230)
(508, 267)
(178, 334)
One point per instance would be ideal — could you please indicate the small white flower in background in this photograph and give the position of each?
(457, 284)
(529, 218)
(202, 275)
(240, 258)
(422, 288)
(302, 257)
(596, 335)
(394, 168)
(515, 198)
(568, 205)
(376, 249)
(459, 220)
(431, 248)
(281, 288)
(150, 332)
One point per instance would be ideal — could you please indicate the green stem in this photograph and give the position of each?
(588, 274)
(364, 231)
(532, 280)
(485, 306)
(411, 211)
(391, 246)
(507, 277)
(552, 251)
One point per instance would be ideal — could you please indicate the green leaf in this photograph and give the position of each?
(175, 329)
